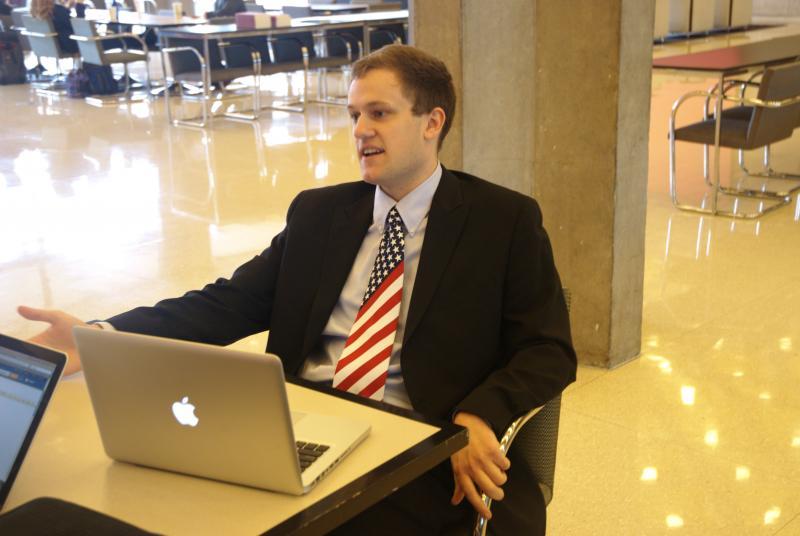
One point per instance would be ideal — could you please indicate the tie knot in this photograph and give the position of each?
(393, 219)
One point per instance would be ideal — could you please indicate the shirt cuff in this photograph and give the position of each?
(103, 324)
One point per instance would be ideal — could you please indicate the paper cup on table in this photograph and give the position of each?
(177, 9)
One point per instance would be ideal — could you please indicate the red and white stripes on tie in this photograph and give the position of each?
(364, 363)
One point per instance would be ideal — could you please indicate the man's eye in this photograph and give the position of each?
(353, 117)
(378, 113)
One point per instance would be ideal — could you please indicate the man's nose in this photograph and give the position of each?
(362, 128)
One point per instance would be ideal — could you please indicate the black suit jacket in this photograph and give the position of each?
(487, 329)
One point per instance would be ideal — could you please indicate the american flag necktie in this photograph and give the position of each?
(364, 364)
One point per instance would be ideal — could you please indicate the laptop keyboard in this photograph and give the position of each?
(308, 453)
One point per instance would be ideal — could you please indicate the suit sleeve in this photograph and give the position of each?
(538, 360)
(222, 312)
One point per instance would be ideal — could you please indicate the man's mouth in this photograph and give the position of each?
(371, 151)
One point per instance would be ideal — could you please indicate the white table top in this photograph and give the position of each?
(67, 461)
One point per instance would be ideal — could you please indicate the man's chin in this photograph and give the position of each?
(370, 178)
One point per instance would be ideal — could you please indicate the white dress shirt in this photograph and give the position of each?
(413, 208)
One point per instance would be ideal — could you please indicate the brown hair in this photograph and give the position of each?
(42, 9)
(425, 79)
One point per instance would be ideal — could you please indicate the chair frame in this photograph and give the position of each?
(298, 106)
(56, 84)
(554, 405)
(768, 172)
(121, 36)
(550, 408)
(717, 189)
(205, 75)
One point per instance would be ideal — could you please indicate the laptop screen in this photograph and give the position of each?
(28, 375)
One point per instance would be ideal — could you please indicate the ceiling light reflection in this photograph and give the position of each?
(674, 521)
(719, 343)
(772, 515)
(662, 362)
(742, 473)
(711, 438)
(321, 170)
(765, 396)
(796, 441)
(738, 373)
(687, 395)
(649, 474)
(785, 344)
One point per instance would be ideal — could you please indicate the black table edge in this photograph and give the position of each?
(341, 505)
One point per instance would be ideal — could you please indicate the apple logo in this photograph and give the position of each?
(184, 412)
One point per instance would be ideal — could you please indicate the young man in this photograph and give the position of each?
(419, 286)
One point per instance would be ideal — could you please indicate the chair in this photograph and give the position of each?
(535, 438)
(187, 65)
(756, 122)
(296, 51)
(43, 40)
(767, 172)
(333, 52)
(381, 38)
(252, 7)
(90, 45)
(297, 11)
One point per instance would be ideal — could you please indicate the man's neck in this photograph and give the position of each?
(401, 190)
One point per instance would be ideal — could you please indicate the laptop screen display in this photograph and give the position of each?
(23, 382)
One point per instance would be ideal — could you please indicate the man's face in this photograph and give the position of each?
(396, 149)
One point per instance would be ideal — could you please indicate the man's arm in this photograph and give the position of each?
(540, 362)
(538, 358)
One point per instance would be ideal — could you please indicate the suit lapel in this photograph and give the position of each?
(348, 228)
(445, 223)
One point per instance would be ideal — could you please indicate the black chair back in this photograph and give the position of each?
(187, 62)
(297, 11)
(381, 38)
(772, 124)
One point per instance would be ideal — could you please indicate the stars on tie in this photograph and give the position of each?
(390, 252)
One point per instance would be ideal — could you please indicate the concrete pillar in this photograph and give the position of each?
(555, 103)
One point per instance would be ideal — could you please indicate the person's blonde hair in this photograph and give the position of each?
(42, 9)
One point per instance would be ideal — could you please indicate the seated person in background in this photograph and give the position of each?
(463, 317)
(226, 8)
(5, 9)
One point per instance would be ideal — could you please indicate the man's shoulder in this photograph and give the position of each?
(338, 193)
(322, 201)
(485, 193)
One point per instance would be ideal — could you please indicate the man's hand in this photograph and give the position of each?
(58, 335)
(478, 466)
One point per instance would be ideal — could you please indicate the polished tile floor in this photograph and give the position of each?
(103, 209)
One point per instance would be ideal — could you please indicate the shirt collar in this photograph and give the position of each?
(412, 208)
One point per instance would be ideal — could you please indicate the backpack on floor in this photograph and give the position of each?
(77, 84)
(101, 79)
(12, 62)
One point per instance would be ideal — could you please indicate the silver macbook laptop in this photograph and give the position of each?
(207, 411)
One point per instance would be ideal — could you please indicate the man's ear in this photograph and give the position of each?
(435, 124)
